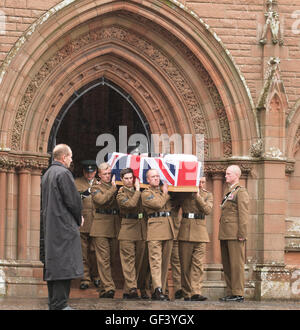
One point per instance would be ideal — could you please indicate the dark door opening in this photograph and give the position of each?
(98, 108)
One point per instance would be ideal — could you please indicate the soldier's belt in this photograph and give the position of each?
(159, 214)
(133, 216)
(193, 215)
(107, 211)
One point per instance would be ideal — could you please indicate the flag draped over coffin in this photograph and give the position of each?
(177, 170)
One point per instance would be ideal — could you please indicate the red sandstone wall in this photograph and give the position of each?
(292, 239)
(237, 22)
(20, 14)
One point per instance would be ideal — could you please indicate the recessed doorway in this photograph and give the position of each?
(98, 108)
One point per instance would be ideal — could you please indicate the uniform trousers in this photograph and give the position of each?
(58, 294)
(144, 276)
(159, 259)
(88, 258)
(192, 255)
(131, 255)
(105, 249)
(175, 265)
(233, 260)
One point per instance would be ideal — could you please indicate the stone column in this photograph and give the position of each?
(23, 213)
(218, 196)
(35, 203)
(3, 194)
(11, 215)
(270, 272)
(20, 198)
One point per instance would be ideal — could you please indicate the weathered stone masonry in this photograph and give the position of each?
(227, 69)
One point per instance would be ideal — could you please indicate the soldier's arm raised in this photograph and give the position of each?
(102, 197)
(125, 202)
(206, 204)
(154, 201)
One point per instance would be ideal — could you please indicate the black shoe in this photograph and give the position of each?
(198, 297)
(224, 298)
(235, 298)
(84, 286)
(97, 283)
(187, 299)
(133, 294)
(178, 294)
(158, 295)
(125, 295)
(167, 297)
(108, 294)
(144, 295)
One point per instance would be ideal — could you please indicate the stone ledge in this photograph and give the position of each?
(275, 281)
(21, 263)
(22, 278)
(292, 242)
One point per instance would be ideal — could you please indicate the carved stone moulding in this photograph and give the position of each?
(21, 161)
(272, 23)
(219, 167)
(290, 167)
(196, 114)
(256, 149)
(159, 59)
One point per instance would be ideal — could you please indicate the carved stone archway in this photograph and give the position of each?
(165, 58)
(173, 25)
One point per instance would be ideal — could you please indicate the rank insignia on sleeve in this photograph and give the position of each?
(150, 197)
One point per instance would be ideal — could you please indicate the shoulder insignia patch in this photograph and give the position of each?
(125, 200)
(96, 192)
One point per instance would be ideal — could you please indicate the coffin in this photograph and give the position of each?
(181, 172)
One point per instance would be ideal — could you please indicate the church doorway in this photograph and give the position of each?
(98, 108)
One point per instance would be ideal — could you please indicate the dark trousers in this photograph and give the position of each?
(58, 294)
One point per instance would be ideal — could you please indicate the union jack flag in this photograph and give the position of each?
(172, 169)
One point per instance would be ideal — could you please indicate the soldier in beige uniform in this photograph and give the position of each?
(105, 227)
(160, 231)
(83, 185)
(175, 260)
(132, 234)
(233, 234)
(192, 239)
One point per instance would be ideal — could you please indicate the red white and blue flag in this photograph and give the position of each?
(173, 169)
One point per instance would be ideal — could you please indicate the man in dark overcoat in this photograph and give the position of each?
(61, 219)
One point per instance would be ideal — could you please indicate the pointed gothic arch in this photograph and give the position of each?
(163, 56)
(293, 131)
(215, 95)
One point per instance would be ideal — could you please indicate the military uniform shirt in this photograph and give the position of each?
(130, 203)
(194, 230)
(159, 228)
(82, 184)
(104, 198)
(235, 214)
